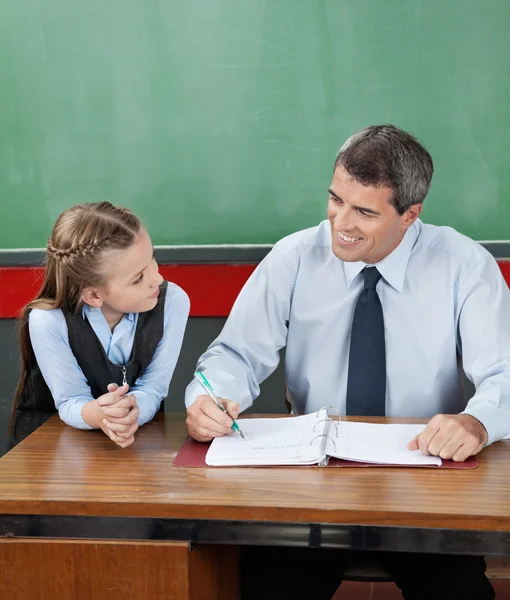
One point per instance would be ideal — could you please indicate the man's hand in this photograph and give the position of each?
(121, 415)
(206, 420)
(453, 437)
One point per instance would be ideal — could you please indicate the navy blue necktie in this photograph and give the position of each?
(366, 379)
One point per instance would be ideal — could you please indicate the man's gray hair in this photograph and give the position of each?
(383, 155)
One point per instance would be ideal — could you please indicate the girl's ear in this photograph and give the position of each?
(90, 296)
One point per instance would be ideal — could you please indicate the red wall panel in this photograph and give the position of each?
(212, 288)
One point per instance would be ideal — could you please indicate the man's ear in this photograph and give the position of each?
(91, 297)
(410, 216)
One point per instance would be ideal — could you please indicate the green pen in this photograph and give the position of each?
(208, 388)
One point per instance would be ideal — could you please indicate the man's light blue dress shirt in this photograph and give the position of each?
(443, 297)
(67, 383)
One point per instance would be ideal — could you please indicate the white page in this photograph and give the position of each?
(272, 441)
(377, 443)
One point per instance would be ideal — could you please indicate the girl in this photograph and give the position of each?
(103, 323)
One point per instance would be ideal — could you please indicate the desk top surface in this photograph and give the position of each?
(63, 471)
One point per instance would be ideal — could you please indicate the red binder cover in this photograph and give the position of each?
(192, 454)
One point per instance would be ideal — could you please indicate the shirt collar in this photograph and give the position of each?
(91, 313)
(393, 267)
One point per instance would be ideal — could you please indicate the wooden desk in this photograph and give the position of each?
(73, 498)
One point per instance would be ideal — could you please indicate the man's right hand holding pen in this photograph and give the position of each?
(205, 420)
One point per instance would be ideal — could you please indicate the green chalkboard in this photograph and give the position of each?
(218, 121)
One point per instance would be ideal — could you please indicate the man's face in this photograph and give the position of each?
(364, 225)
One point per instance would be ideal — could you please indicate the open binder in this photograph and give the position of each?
(314, 439)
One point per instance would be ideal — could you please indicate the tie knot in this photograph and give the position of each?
(371, 276)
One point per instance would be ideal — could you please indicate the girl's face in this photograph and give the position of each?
(133, 281)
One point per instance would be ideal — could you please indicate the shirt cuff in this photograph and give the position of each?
(148, 405)
(70, 413)
(491, 419)
(194, 390)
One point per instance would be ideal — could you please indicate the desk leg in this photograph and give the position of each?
(108, 570)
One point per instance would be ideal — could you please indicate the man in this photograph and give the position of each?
(377, 312)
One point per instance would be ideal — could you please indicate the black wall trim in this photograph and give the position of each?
(165, 255)
(233, 254)
(262, 533)
(499, 249)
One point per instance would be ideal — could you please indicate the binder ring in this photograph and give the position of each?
(325, 408)
(326, 421)
(326, 436)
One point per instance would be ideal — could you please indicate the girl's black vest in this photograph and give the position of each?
(36, 404)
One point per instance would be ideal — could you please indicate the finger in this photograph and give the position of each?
(207, 426)
(205, 420)
(439, 441)
(462, 453)
(116, 412)
(220, 420)
(232, 408)
(206, 432)
(131, 431)
(126, 401)
(106, 399)
(128, 432)
(121, 441)
(111, 434)
(128, 419)
(126, 443)
(450, 448)
(204, 405)
(413, 444)
(196, 436)
(202, 435)
(124, 404)
(123, 431)
(121, 390)
(422, 445)
(426, 436)
(111, 387)
(109, 399)
(117, 428)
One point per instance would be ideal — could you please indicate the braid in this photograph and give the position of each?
(80, 250)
